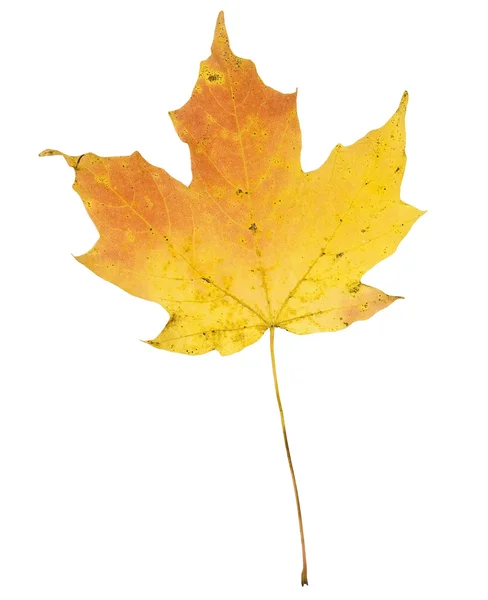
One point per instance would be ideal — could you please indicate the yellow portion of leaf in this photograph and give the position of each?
(253, 242)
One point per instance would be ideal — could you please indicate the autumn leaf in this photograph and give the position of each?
(253, 243)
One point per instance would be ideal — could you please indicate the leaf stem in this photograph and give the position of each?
(290, 463)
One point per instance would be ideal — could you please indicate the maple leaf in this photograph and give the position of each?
(253, 243)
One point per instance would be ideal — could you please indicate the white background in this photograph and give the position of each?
(130, 473)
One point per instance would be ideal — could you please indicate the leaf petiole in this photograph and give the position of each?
(290, 463)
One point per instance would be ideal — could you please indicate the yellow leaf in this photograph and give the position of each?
(253, 242)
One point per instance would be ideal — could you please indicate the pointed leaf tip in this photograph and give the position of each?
(403, 102)
(221, 38)
(71, 160)
(49, 152)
